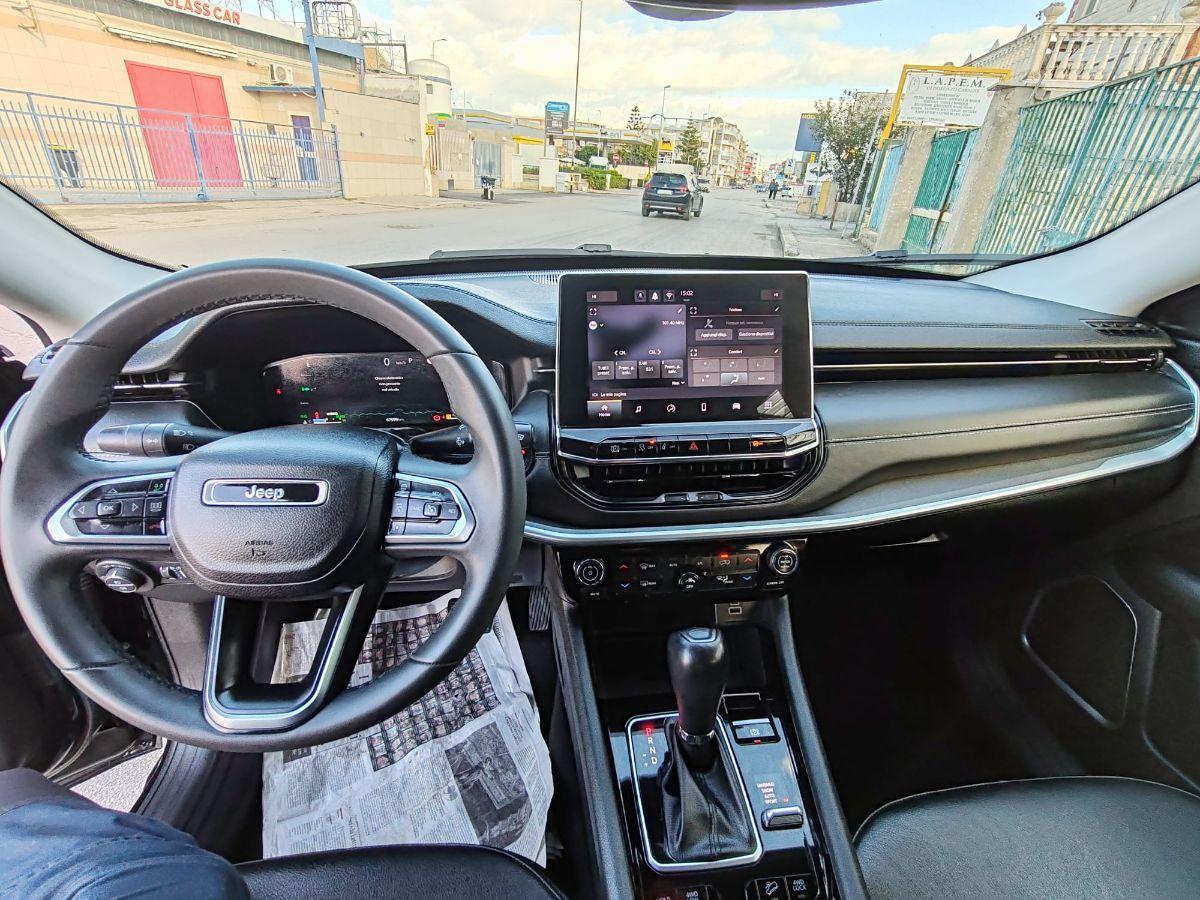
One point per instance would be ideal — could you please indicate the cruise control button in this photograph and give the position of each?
(428, 527)
(396, 526)
(113, 527)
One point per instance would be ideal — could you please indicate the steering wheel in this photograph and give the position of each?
(277, 515)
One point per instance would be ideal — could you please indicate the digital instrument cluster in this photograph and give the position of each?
(374, 390)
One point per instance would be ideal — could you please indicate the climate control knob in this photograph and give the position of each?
(688, 581)
(589, 572)
(783, 560)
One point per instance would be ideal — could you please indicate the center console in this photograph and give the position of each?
(685, 389)
(694, 391)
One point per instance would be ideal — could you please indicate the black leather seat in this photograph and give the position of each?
(411, 872)
(1060, 838)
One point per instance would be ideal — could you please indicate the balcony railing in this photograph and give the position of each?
(1073, 55)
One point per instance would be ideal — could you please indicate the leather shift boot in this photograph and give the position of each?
(703, 816)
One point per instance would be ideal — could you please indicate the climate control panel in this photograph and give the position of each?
(706, 571)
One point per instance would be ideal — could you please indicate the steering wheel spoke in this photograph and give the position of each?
(433, 509)
(119, 505)
(238, 696)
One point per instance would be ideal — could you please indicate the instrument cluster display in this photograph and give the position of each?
(373, 390)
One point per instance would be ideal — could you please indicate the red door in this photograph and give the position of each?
(166, 100)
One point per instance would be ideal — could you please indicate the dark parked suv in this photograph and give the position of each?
(672, 192)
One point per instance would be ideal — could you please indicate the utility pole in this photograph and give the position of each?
(311, 40)
(575, 107)
(662, 122)
(433, 47)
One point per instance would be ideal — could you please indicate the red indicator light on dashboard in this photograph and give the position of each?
(278, 392)
(437, 417)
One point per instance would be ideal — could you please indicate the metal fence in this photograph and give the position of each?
(60, 149)
(948, 158)
(1085, 162)
(893, 153)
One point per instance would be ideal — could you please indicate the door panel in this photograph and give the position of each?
(176, 108)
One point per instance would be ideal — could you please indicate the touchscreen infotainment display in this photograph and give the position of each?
(688, 348)
(375, 390)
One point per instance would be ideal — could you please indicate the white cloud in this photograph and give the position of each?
(760, 70)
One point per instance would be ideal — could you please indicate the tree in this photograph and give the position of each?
(635, 119)
(642, 154)
(845, 125)
(689, 146)
(586, 152)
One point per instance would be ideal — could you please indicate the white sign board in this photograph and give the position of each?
(942, 98)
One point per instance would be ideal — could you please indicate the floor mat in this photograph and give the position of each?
(465, 764)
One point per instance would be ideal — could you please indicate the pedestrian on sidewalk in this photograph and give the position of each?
(772, 190)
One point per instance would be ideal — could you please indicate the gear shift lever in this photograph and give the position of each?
(699, 669)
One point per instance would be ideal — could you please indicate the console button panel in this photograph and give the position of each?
(707, 571)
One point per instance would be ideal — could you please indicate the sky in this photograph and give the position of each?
(759, 70)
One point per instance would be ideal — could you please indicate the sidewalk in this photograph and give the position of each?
(809, 238)
(96, 218)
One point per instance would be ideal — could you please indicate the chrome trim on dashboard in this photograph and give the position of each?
(567, 535)
(667, 867)
(10, 422)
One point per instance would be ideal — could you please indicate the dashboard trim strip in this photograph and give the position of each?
(567, 535)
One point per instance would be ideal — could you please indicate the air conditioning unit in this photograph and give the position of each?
(280, 74)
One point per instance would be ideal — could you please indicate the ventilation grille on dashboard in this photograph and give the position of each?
(158, 385)
(1121, 327)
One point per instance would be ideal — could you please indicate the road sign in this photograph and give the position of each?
(943, 96)
(556, 116)
(429, 128)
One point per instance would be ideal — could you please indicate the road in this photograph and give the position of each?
(733, 222)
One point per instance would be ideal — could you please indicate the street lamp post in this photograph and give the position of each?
(575, 106)
(662, 121)
(433, 47)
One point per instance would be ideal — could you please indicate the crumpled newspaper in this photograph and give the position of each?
(465, 764)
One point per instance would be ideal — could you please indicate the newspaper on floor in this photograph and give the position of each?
(464, 764)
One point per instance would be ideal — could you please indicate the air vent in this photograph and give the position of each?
(1121, 327)
(159, 385)
(544, 277)
(876, 365)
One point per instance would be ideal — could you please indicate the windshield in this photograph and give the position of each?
(899, 133)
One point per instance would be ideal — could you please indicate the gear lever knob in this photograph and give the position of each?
(699, 669)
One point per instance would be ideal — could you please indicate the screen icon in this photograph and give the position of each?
(654, 296)
(672, 408)
(668, 295)
(639, 296)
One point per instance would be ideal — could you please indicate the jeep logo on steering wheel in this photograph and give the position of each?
(276, 492)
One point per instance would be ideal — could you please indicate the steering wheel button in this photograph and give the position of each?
(426, 526)
(396, 526)
(156, 526)
(158, 486)
(134, 508)
(451, 511)
(155, 507)
(84, 510)
(403, 487)
(121, 527)
(431, 509)
(108, 508)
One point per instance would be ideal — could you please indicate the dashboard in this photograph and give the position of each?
(677, 409)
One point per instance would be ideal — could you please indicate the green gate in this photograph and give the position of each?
(948, 157)
(1085, 162)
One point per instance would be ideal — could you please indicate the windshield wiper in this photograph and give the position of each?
(892, 257)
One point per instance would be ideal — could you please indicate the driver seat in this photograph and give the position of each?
(409, 872)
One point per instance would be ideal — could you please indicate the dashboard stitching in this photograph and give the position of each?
(1157, 411)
